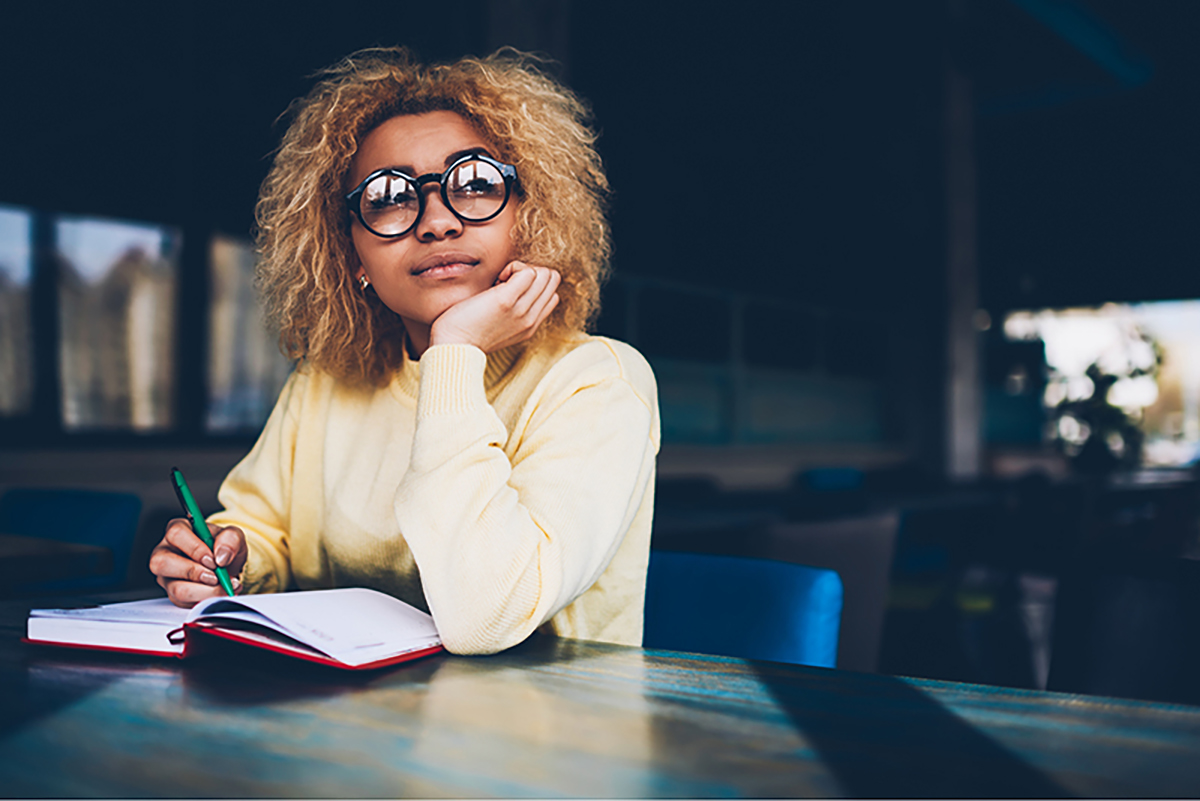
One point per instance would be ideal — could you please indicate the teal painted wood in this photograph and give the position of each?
(560, 718)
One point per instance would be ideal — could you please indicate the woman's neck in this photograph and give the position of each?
(416, 339)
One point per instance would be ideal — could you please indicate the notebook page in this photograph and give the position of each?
(353, 625)
(156, 611)
(135, 625)
(102, 634)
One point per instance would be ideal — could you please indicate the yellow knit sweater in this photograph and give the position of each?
(500, 493)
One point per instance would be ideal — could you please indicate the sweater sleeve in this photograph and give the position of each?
(503, 544)
(256, 495)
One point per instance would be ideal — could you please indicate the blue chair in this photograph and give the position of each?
(748, 608)
(107, 519)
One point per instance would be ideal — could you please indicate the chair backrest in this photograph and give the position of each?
(858, 549)
(107, 519)
(748, 608)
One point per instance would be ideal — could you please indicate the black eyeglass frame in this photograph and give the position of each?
(507, 172)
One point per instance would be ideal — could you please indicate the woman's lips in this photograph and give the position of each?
(445, 270)
(446, 265)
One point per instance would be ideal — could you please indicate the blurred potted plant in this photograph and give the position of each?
(1094, 433)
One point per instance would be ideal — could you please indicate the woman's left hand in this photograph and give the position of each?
(506, 314)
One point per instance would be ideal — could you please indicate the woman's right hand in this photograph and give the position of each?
(509, 312)
(185, 567)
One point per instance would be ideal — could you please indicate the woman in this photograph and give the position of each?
(433, 243)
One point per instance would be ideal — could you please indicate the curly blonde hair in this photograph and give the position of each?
(534, 123)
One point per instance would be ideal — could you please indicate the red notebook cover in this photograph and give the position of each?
(194, 635)
(195, 632)
(351, 623)
(108, 648)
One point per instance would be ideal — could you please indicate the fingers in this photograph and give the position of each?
(539, 301)
(181, 537)
(228, 545)
(185, 567)
(188, 594)
(506, 314)
(530, 286)
(168, 564)
(538, 298)
(520, 278)
(544, 309)
(506, 273)
(545, 281)
(545, 300)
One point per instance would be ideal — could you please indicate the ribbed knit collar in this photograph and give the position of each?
(408, 379)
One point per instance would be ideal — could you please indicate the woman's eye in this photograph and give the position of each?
(479, 186)
(391, 201)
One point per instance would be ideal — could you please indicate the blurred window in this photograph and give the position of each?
(16, 328)
(1151, 349)
(117, 318)
(246, 370)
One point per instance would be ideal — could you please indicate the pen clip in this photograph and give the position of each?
(179, 493)
(183, 504)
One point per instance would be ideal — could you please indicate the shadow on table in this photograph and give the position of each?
(49, 679)
(44, 680)
(881, 737)
(229, 674)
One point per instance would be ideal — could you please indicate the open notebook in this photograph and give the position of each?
(351, 628)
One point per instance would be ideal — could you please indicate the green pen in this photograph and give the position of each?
(197, 520)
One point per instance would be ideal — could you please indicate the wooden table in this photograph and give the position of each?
(28, 560)
(560, 718)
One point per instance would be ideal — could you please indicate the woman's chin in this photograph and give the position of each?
(425, 315)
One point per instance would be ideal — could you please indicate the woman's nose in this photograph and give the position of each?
(438, 222)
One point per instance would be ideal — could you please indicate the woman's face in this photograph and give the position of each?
(442, 260)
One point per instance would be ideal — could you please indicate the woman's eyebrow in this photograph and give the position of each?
(470, 151)
(408, 169)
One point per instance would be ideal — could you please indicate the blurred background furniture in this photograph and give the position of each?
(1127, 624)
(859, 549)
(748, 608)
(76, 527)
(32, 560)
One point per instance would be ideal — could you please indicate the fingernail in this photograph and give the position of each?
(224, 556)
(208, 578)
(237, 585)
(208, 562)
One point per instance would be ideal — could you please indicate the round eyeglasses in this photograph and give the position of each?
(475, 188)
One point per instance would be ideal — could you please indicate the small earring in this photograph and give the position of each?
(364, 282)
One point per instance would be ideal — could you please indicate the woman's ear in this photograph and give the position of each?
(359, 274)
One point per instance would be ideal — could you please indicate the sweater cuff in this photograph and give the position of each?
(261, 573)
(451, 380)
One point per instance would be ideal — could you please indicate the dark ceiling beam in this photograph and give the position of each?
(1090, 36)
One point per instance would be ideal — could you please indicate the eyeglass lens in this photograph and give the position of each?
(475, 190)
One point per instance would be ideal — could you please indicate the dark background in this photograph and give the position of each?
(167, 112)
(817, 140)
(1081, 143)
(1086, 168)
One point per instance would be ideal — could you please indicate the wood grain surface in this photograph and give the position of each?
(559, 718)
